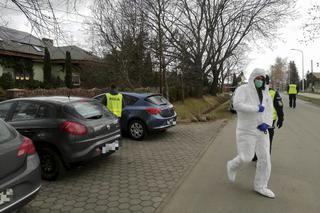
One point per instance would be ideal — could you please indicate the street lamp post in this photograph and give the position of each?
(302, 66)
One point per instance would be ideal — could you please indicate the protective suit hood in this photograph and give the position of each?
(255, 73)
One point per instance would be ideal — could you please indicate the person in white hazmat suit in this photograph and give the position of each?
(255, 114)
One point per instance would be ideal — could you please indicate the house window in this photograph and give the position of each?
(75, 79)
(37, 48)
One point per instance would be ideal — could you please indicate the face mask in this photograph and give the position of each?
(258, 83)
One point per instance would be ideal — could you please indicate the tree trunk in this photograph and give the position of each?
(215, 83)
(182, 87)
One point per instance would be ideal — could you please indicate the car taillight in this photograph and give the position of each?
(73, 128)
(153, 111)
(26, 148)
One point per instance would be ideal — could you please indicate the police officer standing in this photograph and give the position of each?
(278, 115)
(113, 101)
(293, 90)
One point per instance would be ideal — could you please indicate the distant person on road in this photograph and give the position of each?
(255, 115)
(113, 100)
(278, 115)
(293, 90)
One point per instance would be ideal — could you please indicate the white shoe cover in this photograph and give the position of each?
(265, 192)
(231, 173)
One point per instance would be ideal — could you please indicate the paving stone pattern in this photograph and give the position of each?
(136, 178)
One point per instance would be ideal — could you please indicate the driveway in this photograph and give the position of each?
(137, 178)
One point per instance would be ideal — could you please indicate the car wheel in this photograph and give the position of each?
(51, 164)
(137, 130)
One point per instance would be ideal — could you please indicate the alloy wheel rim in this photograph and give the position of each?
(48, 164)
(136, 130)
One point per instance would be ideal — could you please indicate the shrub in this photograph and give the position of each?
(6, 81)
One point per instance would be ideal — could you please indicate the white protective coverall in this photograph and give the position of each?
(251, 140)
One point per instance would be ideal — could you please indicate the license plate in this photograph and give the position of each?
(6, 196)
(171, 122)
(110, 147)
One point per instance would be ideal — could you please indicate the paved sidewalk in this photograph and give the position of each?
(310, 95)
(294, 177)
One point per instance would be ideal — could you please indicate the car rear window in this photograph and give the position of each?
(5, 133)
(89, 109)
(157, 99)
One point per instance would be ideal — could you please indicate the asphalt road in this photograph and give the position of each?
(295, 176)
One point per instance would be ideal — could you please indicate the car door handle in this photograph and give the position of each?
(26, 131)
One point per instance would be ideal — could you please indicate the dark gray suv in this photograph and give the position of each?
(64, 130)
(20, 178)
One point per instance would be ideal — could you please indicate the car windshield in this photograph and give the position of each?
(89, 109)
(5, 133)
(158, 100)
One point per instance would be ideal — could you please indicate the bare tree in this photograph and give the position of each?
(155, 12)
(311, 28)
(278, 71)
(115, 22)
(41, 15)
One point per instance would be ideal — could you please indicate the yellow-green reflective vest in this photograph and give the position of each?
(114, 104)
(273, 94)
(293, 89)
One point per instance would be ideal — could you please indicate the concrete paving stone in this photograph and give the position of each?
(124, 211)
(56, 206)
(102, 202)
(44, 211)
(36, 203)
(113, 204)
(79, 204)
(91, 200)
(50, 200)
(145, 197)
(77, 210)
(144, 192)
(90, 206)
(81, 199)
(46, 205)
(135, 201)
(156, 199)
(146, 203)
(114, 193)
(122, 190)
(101, 208)
(148, 209)
(156, 204)
(134, 196)
(124, 200)
(113, 198)
(124, 206)
(136, 208)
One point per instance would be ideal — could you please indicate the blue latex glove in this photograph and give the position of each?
(261, 108)
(263, 127)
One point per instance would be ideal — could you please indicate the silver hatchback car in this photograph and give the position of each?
(20, 173)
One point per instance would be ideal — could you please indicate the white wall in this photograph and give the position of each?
(38, 71)
(1, 70)
(58, 71)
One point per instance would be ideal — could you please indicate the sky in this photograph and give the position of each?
(264, 56)
(290, 38)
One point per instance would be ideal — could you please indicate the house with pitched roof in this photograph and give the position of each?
(22, 55)
(313, 80)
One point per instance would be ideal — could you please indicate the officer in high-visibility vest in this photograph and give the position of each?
(114, 101)
(293, 90)
(278, 115)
